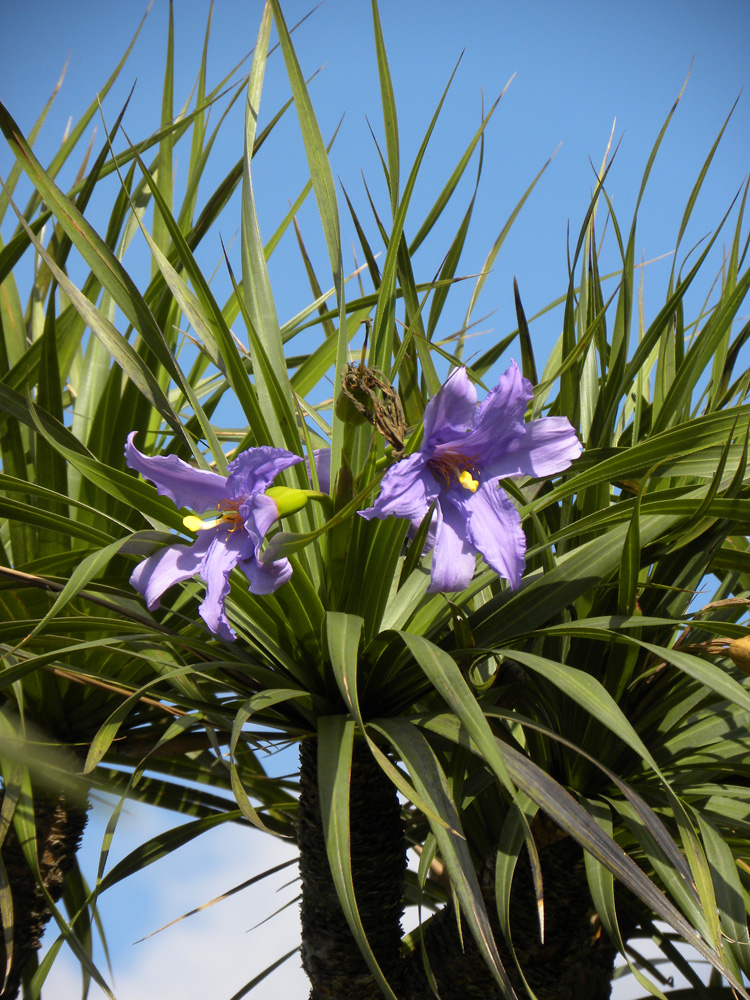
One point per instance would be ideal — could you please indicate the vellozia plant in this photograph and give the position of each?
(561, 741)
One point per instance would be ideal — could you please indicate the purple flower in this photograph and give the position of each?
(467, 448)
(233, 537)
(322, 460)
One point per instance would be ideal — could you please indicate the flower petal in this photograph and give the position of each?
(494, 529)
(453, 560)
(185, 486)
(322, 459)
(259, 513)
(499, 420)
(451, 413)
(254, 470)
(549, 446)
(429, 542)
(407, 490)
(264, 578)
(168, 566)
(227, 548)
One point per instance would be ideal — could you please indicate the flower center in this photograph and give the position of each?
(455, 467)
(229, 514)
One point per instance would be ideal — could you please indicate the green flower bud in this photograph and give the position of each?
(288, 500)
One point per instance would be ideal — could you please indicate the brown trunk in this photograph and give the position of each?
(576, 960)
(59, 828)
(330, 955)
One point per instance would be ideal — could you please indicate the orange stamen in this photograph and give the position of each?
(230, 512)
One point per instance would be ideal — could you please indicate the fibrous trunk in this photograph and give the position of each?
(59, 827)
(330, 955)
(575, 961)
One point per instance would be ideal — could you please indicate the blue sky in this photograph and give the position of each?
(579, 68)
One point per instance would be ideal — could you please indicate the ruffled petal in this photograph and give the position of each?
(429, 542)
(407, 490)
(264, 578)
(227, 548)
(548, 446)
(168, 566)
(494, 529)
(499, 420)
(451, 413)
(185, 486)
(453, 559)
(260, 512)
(254, 470)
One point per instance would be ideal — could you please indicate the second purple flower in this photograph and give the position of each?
(467, 448)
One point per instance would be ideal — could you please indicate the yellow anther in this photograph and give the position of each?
(468, 482)
(454, 467)
(193, 523)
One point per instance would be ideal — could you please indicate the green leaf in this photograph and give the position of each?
(587, 692)
(431, 784)
(128, 359)
(388, 102)
(601, 884)
(256, 285)
(325, 196)
(560, 806)
(447, 680)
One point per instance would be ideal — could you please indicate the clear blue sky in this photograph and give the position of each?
(578, 66)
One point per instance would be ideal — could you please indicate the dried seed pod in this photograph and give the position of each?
(367, 395)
